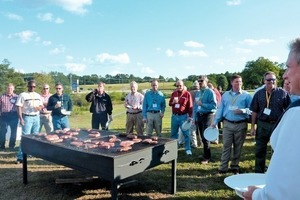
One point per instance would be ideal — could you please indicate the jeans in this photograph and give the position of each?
(31, 126)
(60, 122)
(8, 119)
(176, 122)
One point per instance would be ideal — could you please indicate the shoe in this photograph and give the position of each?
(19, 161)
(188, 152)
(220, 172)
(194, 146)
(204, 161)
(235, 171)
(214, 142)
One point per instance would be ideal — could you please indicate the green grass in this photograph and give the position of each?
(194, 181)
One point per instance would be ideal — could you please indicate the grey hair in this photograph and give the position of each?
(295, 48)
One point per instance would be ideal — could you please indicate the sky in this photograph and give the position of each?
(171, 38)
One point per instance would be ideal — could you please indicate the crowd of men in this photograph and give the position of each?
(203, 106)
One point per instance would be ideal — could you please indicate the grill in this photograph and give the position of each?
(108, 164)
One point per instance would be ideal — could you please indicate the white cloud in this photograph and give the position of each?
(186, 53)
(147, 70)
(59, 21)
(14, 17)
(170, 53)
(47, 43)
(58, 50)
(107, 58)
(69, 58)
(75, 67)
(76, 7)
(253, 42)
(49, 18)
(24, 36)
(274, 58)
(193, 44)
(241, 50)
(233, 3)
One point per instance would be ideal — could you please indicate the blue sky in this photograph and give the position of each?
(172, 38)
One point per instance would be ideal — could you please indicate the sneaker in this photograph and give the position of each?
(204, 161)
(19, 161)
(188, 152)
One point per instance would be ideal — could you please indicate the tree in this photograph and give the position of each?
(254, 71)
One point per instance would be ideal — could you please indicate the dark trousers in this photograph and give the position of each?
(263, 134)
(99, 119)
(8, 120)
(204, 121)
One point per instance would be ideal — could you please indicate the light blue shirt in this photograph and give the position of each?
(208, 99)
(153, 101)
(233, 100)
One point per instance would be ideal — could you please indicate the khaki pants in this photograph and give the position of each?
(135, 120)
(154, 121)
(46, 121)
(233, 136)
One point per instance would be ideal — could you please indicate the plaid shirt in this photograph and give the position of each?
(8, 103)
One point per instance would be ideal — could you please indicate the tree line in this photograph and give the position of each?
(252, 75)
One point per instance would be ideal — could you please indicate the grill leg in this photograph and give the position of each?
(25, 180)
(173, 186)
(114, 190)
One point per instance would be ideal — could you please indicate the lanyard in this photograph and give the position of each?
(233, 100)
(268, 98)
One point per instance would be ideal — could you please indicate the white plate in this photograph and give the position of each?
(186, 125)
(240, 182)
(211, 134)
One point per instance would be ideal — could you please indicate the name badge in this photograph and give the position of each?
(13, 101)
(154, 105)
(177, 105)
(233, 107)
(267, 111)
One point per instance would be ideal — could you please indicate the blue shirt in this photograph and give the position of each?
(208, 99)
(233, 100)
(153, 101)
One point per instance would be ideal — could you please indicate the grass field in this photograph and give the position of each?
(194, 181)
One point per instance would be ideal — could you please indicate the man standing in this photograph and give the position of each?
(154, 106)
(234, 110)
(8, 116)
(101, 107)
(61, 105)
(182, 110)
(203, 112)
(267, 106)
(134, 103)
(45, 115)
(29, 105)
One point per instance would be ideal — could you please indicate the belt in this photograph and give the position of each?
(269, 121)
(133, 113)
(202, 114)
(153, 111)
(236, 122)
(29, 115)
(178, 114)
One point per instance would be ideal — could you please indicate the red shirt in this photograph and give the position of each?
(185, 102)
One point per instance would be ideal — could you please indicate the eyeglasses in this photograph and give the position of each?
(271, 79)
(45, 88)
(178, 85)
(58, 88)
(200, 80)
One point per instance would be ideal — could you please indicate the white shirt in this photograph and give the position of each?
(283, 176)
(28, 101)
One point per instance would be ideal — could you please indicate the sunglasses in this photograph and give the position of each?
(45, 88)
(31, 86)
(58, 88)
(271, 79)
(200, 81)
(178, 85)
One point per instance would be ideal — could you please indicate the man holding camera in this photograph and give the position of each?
(101, 107)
